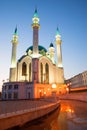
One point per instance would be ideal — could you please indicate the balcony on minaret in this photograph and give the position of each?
(35, 20)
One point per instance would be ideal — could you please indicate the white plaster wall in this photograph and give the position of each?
(27, 60)
(60, 75)
(45, 60)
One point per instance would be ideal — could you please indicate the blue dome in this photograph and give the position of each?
(40, 48)
(51, 45)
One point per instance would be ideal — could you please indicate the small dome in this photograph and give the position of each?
(51, 45)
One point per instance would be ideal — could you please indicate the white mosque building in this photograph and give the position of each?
(35, 74)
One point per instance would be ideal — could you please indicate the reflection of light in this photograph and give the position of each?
(67, 109)
(53, 85)
(48, 89)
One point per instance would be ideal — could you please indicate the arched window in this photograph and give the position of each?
(41, 69)
(47, 73)
(24, 69)
(30, 72)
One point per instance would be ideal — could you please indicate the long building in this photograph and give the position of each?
(36, 74)
(78, 82)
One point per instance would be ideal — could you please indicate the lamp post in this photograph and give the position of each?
(68, 87)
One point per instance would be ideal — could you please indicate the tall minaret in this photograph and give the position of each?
(35, 60)
(59, 51)
(60, 72)
(35, 27)
(13, 56)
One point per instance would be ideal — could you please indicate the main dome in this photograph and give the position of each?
(40, 48)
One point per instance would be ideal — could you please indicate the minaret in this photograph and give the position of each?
(35, 60)
(60, 72)
(59, 51)
(35, 27)
(51, 52)
(13, 56)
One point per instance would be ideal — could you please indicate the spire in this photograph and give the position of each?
(58, 36)
(35, 18)
(15, 32)
(57, 31)
(15, 37)
(36, 13)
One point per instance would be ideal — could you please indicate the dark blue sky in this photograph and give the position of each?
(69, 15)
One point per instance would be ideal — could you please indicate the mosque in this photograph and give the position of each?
(36, 74)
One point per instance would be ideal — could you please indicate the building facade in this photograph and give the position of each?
(78, 82)
(36, 73)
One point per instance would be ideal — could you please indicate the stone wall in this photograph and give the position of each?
(82, 96)
(21, 117)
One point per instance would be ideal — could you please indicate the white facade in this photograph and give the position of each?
(34, 69)
(43, 60)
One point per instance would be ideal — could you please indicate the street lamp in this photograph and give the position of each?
(53, 86)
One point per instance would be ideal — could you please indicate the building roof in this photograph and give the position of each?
(21, 58)
(40, 48)
(51, 45)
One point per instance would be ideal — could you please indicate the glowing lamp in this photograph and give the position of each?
(40, 90)
(44, 92)
(67, 89)
(53, 85)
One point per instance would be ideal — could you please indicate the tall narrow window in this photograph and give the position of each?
(24, 69)
(30, 72)
(41, 69)
(47, 73)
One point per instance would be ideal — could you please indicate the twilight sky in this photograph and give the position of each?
(69, 15)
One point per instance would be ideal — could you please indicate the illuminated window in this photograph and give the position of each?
(47, 73)
(41, 68)
(30, 72)
(24, 69)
